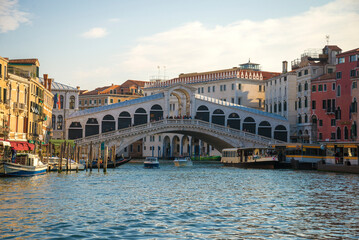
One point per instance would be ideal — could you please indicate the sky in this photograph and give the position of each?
(90, 43)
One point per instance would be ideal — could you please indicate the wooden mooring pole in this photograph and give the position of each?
(91, 156)
(105, 159)
(99, 158)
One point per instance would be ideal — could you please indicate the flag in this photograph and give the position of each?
(58, 102)
(55, 100)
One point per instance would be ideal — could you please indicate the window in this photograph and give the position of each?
(333, 86)
(285, 78)
(332, 122)
(306, 72)
(53, 122)
(299, 119)
(232, 86)
(118, 100)
(314, 88)
(80, 102)
(85, 102)
(338, 91)
(61, 102)
(99, 101)
(352, 58)
(299, 74)
(305, 118)
(239, 86)
(159, 138)
(114, 91)
(59, 122)
(295, 105)
(213, 88)
(352, 73)
(299, 103)
(279, 107)
(199, 90)
(260, 88)
(314, 105)
(332, 136)
(72, 102)
(202, 89)
(320, 88)
(90, 101)
(224, 87)
(320, 136)
(105, 100)
(330, 70)
(232, 100)
(324, 104)
(110, 91)
(111, 100)
(285, 106)
(239, 101)
(260, 103)
(341, 60)
(95, 101)
(209, 89)
(325, 87)
(320, 122)
(305, 102)
(299, 87)
(275, 108)
(354, 85)
(339, 75)
(306, 86)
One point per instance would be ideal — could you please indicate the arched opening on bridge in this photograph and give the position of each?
(264, 129)
(156, 113)
(218, 117)
(91, 127)
(202, 113)
(176, 144)
(185, 151)
(234, 121)
(166, 147)
(108, 123)
(249, 125)
(124, 120)
(187, 102)
(140, 116)
(281, 133)
(75, 130)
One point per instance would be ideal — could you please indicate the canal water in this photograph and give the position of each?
(206, 201)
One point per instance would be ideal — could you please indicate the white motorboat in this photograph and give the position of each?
(151, 162)
(72, 165)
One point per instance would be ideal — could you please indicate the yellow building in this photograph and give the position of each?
(3, 93)
(37, 100)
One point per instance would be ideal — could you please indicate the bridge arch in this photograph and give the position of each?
(166, 147)
(233, 121)
(281, 133)
(249, 125)
(218, 117)
(92, 127)
(140, 116)
(75, 130)
(124, 120)
(156, 113)
(176, 145)
(185, 146)
(202, 113)
(265, 129)
(186, 96)
(108, 123)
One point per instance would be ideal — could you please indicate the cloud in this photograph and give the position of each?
(194, 47)
(114, 20)
(95, 33)
(10, 16)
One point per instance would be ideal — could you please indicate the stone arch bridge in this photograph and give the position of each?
(221, 124)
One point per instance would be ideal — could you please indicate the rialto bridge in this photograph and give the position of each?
(221, 124)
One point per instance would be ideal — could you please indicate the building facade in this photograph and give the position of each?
(4, 128)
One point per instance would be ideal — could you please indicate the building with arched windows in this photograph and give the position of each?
(66, 102)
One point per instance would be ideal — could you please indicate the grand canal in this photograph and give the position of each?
(206, 201)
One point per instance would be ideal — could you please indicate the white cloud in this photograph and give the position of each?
(114, 20)
(194, 47)
(95, 33)
(10, 16)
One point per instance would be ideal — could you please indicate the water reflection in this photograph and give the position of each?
(206, 201)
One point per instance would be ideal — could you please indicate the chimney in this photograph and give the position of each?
(78, 87)
(45, 81)
(284, 66)
(49, 84)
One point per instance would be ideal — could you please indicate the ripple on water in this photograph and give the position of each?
(202, 202)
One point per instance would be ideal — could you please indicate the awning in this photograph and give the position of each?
(21, 146)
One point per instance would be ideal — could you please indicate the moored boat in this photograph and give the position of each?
(183, 162)
(25, 165)
(151, 162)
(118, 162)
(72, 165)
(265, 158)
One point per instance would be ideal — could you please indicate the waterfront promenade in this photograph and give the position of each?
(206, 201)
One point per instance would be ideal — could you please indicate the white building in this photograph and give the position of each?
(67, 102)
(280, 96)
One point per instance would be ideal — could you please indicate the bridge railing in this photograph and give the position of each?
(175, 123)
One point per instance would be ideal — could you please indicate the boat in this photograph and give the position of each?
(110, 164)
(24, 165)
(151, 162)
(183, 162)
(5, 154)
(53, 163)
(265, 158)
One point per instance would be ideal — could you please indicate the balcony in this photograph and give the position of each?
(7, 103)
(19, 106)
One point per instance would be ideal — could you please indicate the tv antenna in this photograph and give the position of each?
(327, 39)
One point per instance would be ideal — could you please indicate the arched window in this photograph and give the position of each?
(338, 91)
(72, 102)
(346, 132)
(305, 118)
(59, 122)
(284, 106)
(61, 102)
(299, 119)
(275, 107)
(18, 94)
(299, 87)
(279, 107)
(299, 103)
(53, 122)
(305, 86)
(339, 135)
(305, 102)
